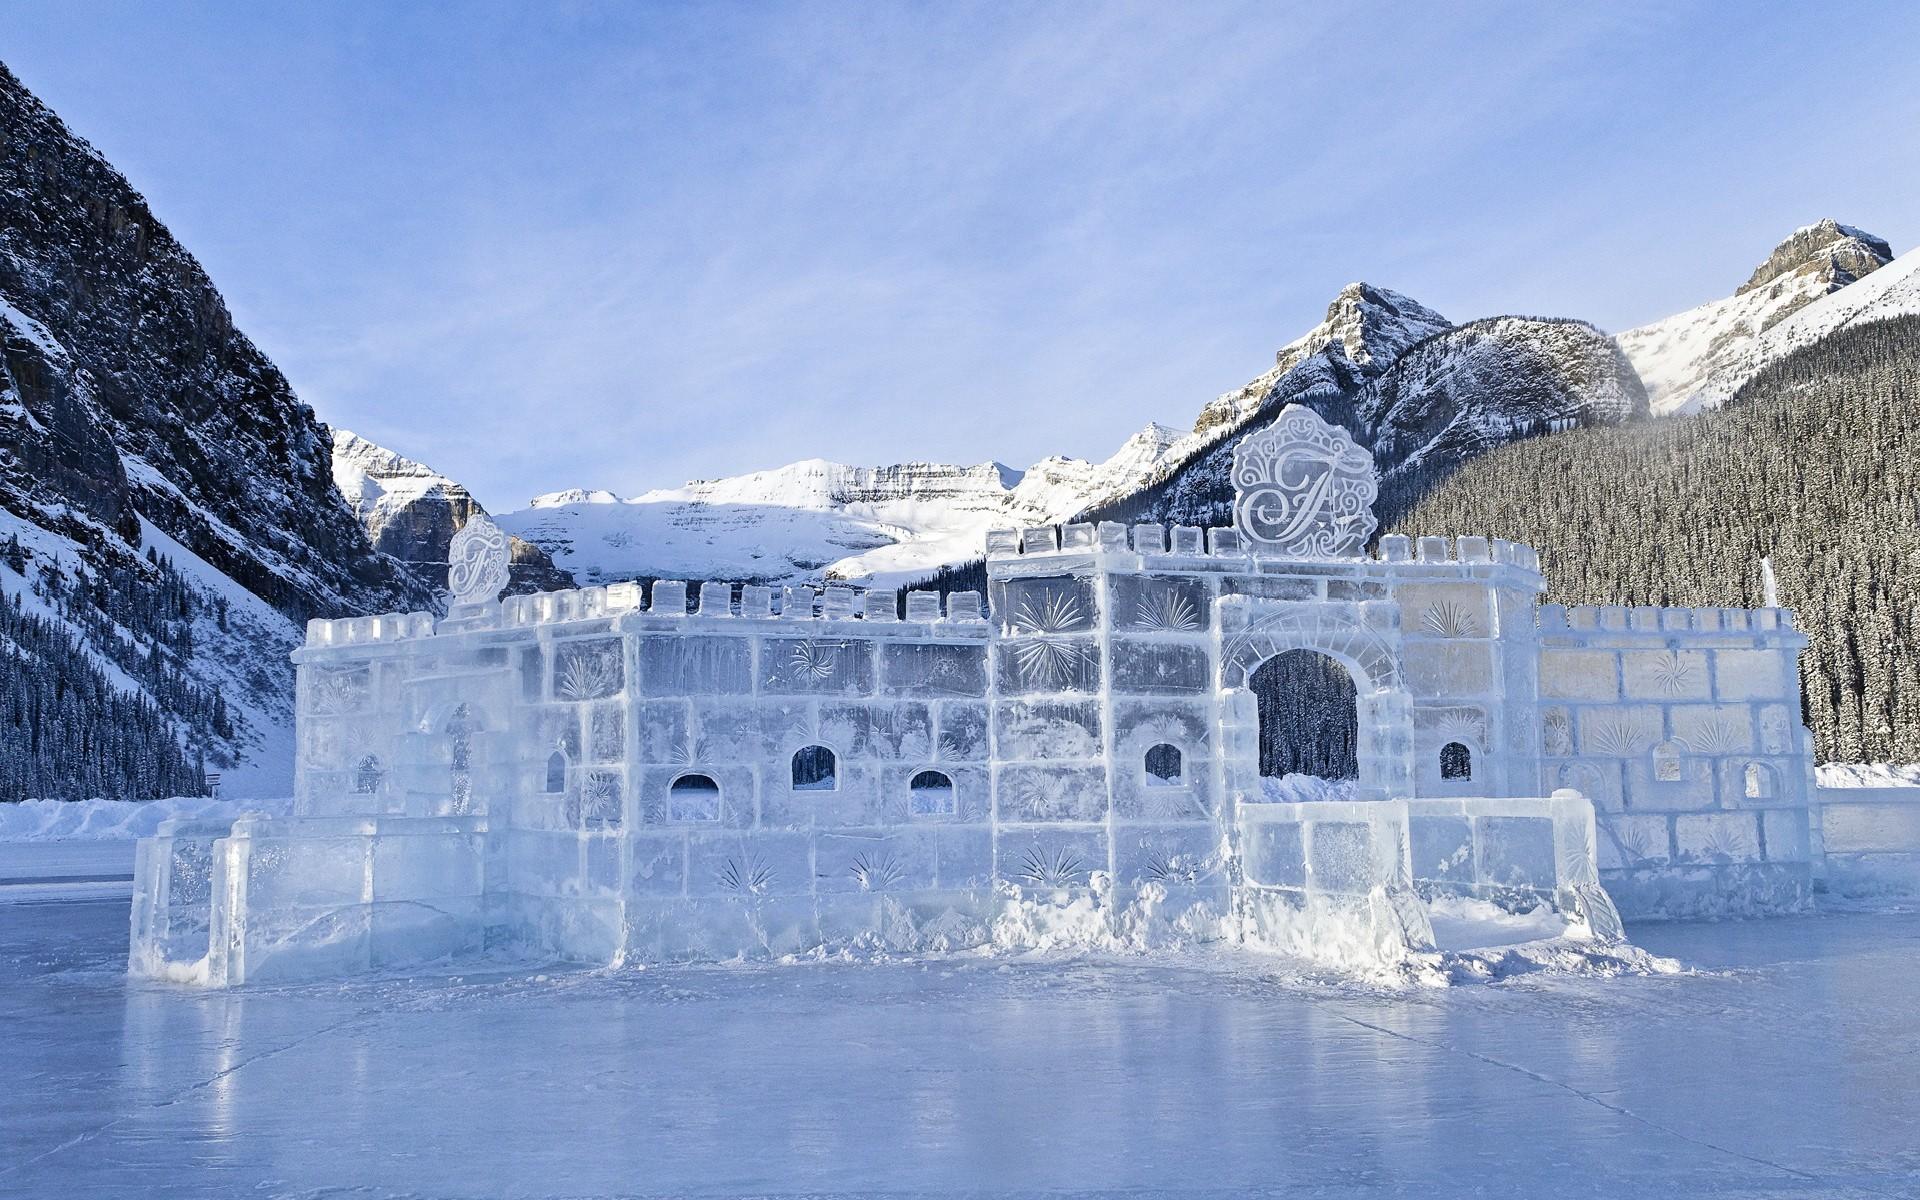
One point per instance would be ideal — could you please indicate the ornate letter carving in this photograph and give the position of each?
(1302, 489)
(477, 562)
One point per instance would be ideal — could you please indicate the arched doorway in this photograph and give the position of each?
(1309, 716)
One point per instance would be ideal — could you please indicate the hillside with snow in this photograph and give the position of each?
(814, 519)
(167, 511)
(1697, 358)
(1891, 291)
(411, 512)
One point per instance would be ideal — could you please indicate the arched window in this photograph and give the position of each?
(931, 793)
(1456, 761)
(1163, 766)
(1761, 782)
(367, 775)
(1309, 716)
(557, 771)
(1666, 762)
(693, 797)
(813, 769)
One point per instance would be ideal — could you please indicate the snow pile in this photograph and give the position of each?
(1299, 789)
(1867, 775)
(118, 820)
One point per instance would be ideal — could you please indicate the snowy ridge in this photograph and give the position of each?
(816, 519)
(1891, 291)
(1698, 358)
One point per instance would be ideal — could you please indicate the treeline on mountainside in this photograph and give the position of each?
(66, 730)
(1815, 464)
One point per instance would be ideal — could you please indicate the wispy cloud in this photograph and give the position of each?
(620, 245)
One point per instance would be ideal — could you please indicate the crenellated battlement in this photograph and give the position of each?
(1648, 619)
(353, 631)
(1190, 541)
(670, 598)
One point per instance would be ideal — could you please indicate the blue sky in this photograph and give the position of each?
(550, 245)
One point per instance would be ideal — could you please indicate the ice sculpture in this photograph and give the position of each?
(613, 773)
(1303, 489)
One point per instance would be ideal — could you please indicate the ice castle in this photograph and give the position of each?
(601, 775)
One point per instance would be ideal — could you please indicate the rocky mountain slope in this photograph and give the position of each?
(1365, 329)
(1891, 291)
(815, 518)
(411, 512)
(1463, 392)
(149, 451)
(1424, 406)
(1700, 357)
(1812, 468)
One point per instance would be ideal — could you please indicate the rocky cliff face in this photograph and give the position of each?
(411, 512)
(1423, 403)
(135, 394)
(1689, 361)
(1460, 393)
(170, 499)
(1365, 329)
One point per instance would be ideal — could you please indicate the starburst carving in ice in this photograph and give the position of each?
(1449, 619)
(815, 661)
(1045, 652)
(1166, 612)
(1672, 673)
(588, 676)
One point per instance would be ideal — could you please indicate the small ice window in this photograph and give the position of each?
(1163, 766)
(931, 793)
(1456, 761)
(693, 798)
(367, 775)
(813, 770)
(1760, 781)
(1666, 762)
(556, 772)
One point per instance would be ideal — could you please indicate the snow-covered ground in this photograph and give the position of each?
(1867, 775)
(117, 820)
(1781, 1064)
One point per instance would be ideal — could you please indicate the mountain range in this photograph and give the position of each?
(170, 512)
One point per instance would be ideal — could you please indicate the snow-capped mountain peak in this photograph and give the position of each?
(1698, 358)
(1365, 329)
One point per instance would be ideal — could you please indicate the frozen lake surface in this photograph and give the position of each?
(1786, 1063)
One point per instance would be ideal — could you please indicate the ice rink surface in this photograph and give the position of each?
(1786, 1062)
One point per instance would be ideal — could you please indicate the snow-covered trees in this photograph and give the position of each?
(1815, 464)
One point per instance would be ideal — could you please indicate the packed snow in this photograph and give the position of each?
(119, 820)
(1867, 775)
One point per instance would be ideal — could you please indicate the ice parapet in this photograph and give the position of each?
(633, 773)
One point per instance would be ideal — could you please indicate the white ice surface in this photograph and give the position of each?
(1783, 1065)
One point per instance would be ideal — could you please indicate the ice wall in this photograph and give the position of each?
(1684, 727)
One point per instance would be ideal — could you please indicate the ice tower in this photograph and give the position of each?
(1262, 733)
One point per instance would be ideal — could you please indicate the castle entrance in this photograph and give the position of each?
(1309, 716)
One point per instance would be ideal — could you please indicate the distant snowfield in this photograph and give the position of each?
(1779, 1064)
(886, 526)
